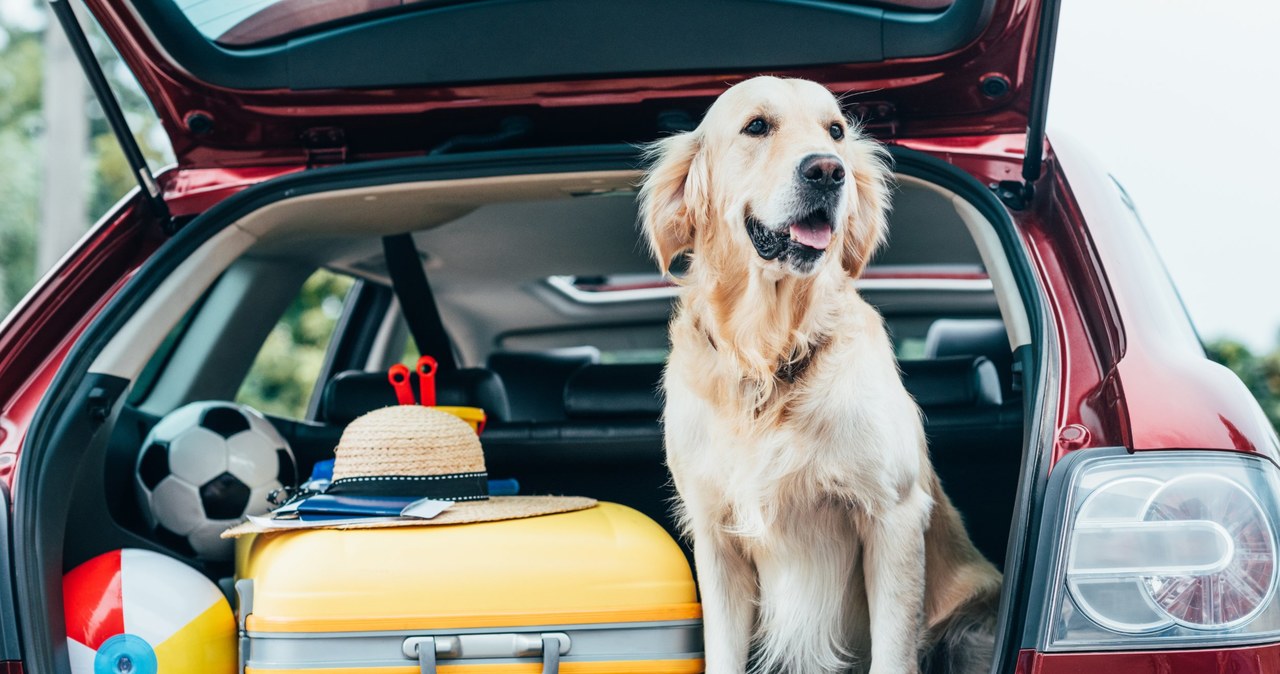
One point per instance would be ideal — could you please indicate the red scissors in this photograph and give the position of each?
(398, 375)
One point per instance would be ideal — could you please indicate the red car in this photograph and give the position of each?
(1125, 484)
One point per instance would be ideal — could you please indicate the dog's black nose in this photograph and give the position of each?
(822, 170)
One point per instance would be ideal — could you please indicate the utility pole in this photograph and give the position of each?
(63, 217)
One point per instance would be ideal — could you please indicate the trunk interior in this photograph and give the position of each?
(558, 323)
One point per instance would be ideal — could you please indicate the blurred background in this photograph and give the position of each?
(1174, 97)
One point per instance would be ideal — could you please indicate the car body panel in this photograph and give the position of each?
(1120, 327)
(1052, 238)
(39, 332)
(1244, 660)
(221, 126)
(1156, 369)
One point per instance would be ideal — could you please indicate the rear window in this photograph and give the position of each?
(284, 374)
(247, 22)
(616, 344)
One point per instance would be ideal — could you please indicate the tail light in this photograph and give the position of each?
(1167, 549)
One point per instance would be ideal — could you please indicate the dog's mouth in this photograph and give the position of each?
(806, 237)
(813, 230)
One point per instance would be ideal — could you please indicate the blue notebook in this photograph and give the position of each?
(331, 506)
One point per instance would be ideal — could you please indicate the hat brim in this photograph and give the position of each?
(465, 512)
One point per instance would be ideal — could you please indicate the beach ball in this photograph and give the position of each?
(140, 612)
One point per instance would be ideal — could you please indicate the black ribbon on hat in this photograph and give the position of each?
(448, 487)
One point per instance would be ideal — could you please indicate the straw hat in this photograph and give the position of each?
(411, 450)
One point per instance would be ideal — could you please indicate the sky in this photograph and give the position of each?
(1176, 99)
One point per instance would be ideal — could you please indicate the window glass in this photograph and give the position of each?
(283, 376)
(246, 22)
(147, 378)
(910, 348)
(621, 344)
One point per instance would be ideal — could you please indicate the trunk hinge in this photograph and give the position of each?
(111, 109)
(879, 118)
(1019, 195)
(325, 146)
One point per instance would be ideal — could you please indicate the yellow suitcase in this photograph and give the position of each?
(601, 590)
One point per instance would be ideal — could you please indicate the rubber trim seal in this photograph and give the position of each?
(1021, 554)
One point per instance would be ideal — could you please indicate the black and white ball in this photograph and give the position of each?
(205, 466)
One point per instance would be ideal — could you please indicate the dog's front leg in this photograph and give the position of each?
(894, 565)
(727, 583)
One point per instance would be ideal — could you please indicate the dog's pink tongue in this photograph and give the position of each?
(814, 237)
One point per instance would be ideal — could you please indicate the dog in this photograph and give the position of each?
(822, 539)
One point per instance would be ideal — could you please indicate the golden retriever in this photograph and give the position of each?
(822, 539)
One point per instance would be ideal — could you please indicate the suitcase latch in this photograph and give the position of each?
(426, 650)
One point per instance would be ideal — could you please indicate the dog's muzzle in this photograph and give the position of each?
(804, 239)
(805, 236)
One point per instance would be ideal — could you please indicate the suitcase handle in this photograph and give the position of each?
(426, 650)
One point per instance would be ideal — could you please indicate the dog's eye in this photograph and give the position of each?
(837, 131)
(756, 127)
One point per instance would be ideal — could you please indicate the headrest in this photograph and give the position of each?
(973, 337)
(628, 390)
(633, 390)
(958, 381)
(353, 393)
(535, 380)
(968, 337)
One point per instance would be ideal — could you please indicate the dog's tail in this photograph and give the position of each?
(965, 642)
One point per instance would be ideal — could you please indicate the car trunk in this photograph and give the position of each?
(79, 420)
(276, 100)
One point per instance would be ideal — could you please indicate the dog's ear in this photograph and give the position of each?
(865, 227)
(673, 195)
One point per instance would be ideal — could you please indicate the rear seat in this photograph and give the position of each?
(535, 380)
(609, 443)
(973, 451)
(352, 393)
(973, 337)
(631, 391)
(608, 446)
(624, 391)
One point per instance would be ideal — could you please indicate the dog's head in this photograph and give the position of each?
(775, 175)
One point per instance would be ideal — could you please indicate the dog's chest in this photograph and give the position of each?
(844, 431)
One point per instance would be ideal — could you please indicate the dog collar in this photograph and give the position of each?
(791, 370)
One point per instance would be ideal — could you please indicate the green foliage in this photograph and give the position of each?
(107, 175)
(1260, 373)
(20, 61)
(284, 373)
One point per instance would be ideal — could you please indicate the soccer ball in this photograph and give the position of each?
(203, 468)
